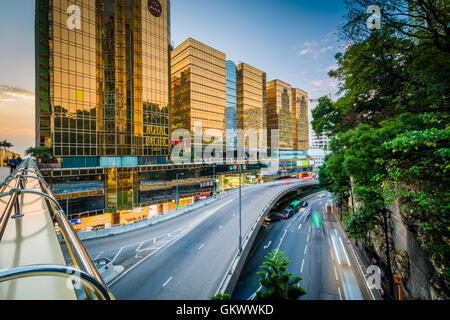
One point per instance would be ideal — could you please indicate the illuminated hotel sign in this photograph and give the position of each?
(156, 136)
(154, 7)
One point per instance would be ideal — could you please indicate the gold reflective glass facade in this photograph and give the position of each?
(279, 115)
(251, 98)
(299, 109)
(72, 86)
(103, 86)
(198, 87)
(287, 111)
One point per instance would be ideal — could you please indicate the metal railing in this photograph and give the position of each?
(85, 271)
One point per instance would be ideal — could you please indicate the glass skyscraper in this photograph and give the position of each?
(109, 90)
(231, 105)
(198, 88)
(287, 111)
(251, 102)
(102, 77)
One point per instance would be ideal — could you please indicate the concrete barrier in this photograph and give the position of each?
(114, 230)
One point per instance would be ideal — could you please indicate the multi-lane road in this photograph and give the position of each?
(331, 269)
(185, 257)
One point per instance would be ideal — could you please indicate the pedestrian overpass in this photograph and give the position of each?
(32, 260)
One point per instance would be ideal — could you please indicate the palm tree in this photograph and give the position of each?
(276, 282)
(6, 144)
(41, 153)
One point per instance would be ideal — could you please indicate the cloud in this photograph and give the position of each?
(304, 51)
(14, 92)
(311, 49)
(325, 49)
(317, 83)
(310, 44)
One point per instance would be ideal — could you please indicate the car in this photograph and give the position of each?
(275, 217)
(288, 212)
(304, 204)
(321, 195)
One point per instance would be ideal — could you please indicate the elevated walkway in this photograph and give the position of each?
(32, 263)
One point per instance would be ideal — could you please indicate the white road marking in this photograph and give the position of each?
(117, 254)
(220, 227)
(201, 246)
(332, 255)
(306, 247)
(299, 226)
(265, 247)
(98, 255)
(307, 239)
(290, 224)
(340, 296)
(137, 249)
(167, 281)
(281, 240)
(301, 269)
(335, 273)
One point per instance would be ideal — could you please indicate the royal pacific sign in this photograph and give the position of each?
(156, 136)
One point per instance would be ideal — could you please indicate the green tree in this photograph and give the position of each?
(390, 126)
(41, 153)
(221, 296)
(276, 282)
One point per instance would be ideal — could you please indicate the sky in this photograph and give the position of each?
(291, 40)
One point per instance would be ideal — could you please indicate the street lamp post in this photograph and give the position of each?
(240, 210)
(214, 180)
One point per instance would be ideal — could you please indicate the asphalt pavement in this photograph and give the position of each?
(327, 263)
(185, 257)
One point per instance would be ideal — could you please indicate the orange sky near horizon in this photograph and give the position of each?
(17, 118)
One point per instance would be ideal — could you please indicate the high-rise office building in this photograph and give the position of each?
(279, 115)
(103, 69)
(299, 101)
(318, 144)
(251, 99)
(287, 111)
(102, 80)
(231, 109)
(198, 88)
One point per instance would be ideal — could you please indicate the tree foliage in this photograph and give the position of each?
(6, 144)
(390, 126)
(221, 296)
(42, 153)
(276, 282)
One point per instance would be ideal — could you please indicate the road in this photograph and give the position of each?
(328, 265)
(185, 257)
